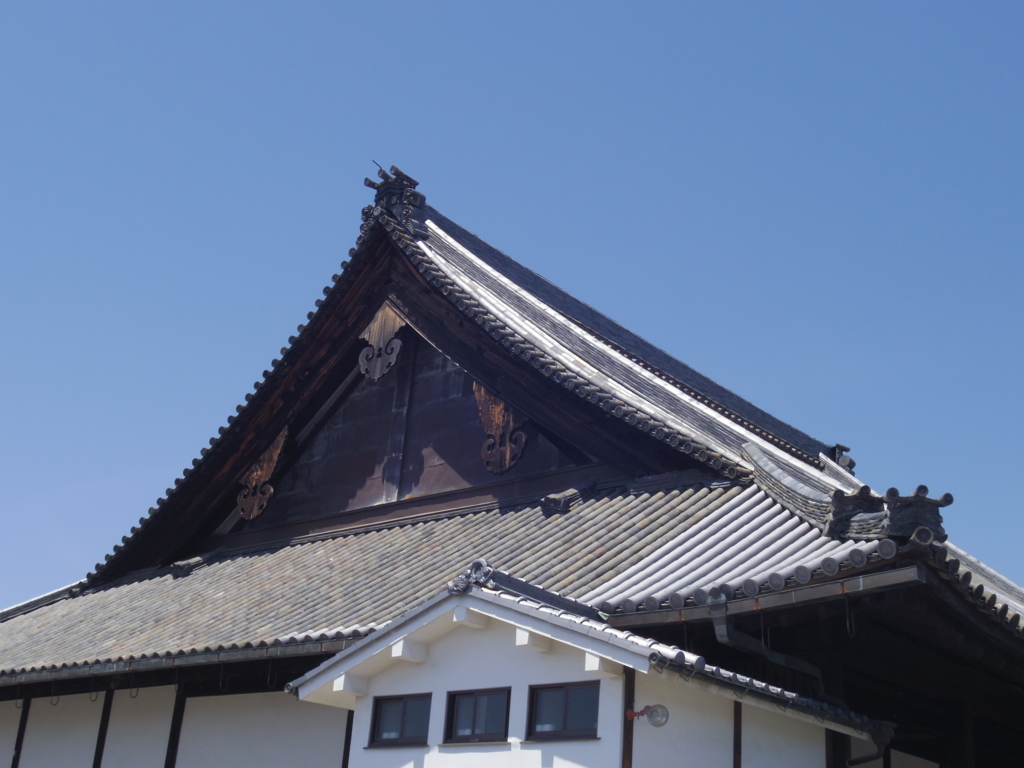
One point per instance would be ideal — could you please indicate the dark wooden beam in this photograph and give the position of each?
(19, 741)
(101, 735)
(177, 717)
(628, 703)
(737, 735)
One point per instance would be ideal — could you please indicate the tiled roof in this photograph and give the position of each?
(620, 551)
(748, 545)
(350, 581)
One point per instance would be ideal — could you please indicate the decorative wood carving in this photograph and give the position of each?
(253, 498)
(378, 358)
(503, 427)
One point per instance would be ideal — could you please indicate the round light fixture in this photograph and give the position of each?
(657, 715)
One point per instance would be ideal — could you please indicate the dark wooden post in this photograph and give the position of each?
(176, 719)
(628, 702)
(22, 725)
(101, 736)
(348, 739)
(737, 735)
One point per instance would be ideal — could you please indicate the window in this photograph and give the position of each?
(400, 720)
(477, 716)
(563, 711)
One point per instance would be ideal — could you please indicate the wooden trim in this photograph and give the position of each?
(347, 750)
(101, 736)
(737, 735)
(22, 725)
(628, 703)
(175, 734)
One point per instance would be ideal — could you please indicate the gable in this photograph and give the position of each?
(418, 430)
(316, 441)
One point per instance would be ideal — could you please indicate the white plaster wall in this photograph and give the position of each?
(467, 659)
(10, 716)
(139, 727)
(772, 740)
(859, 748)
(699, 729)
(62, 736)
(260, 730)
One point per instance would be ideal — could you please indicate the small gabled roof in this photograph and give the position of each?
(537, 614)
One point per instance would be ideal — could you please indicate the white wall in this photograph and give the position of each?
(10, 716)
(699, 729)
(260, 729)
(772, 740)
(467, 659)
(62, 736)
(859, 747)
(139, 727)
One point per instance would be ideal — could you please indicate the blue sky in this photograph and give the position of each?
(819, 205)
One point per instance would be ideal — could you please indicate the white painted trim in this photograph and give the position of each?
(357, 685)
(527, 639)
(464, 617)
(409, 650)
(373, 654)
(601, 665)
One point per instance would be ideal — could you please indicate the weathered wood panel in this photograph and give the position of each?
(413, 433)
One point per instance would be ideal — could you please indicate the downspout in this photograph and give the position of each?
(727, 634)
(628, 702)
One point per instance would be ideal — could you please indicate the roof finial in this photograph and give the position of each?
(396, 193)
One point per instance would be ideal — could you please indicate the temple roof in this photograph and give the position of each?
(741, 507)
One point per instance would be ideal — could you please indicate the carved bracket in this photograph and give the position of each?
(256, 494)
(503, 426)
(380, 356)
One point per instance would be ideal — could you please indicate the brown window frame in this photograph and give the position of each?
(401, 741)
(449, 719)
(532, 734)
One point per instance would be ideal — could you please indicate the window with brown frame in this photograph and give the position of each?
(400, 720)
(477, 716)
(567, 711)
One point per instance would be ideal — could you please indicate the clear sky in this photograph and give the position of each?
(819, 205)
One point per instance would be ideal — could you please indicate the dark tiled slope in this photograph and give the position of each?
(350, 581)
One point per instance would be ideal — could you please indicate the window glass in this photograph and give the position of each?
(417, 718)
(464, 704)
(389, 719)
(549, 709)
(581, 708)
(490, 712)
